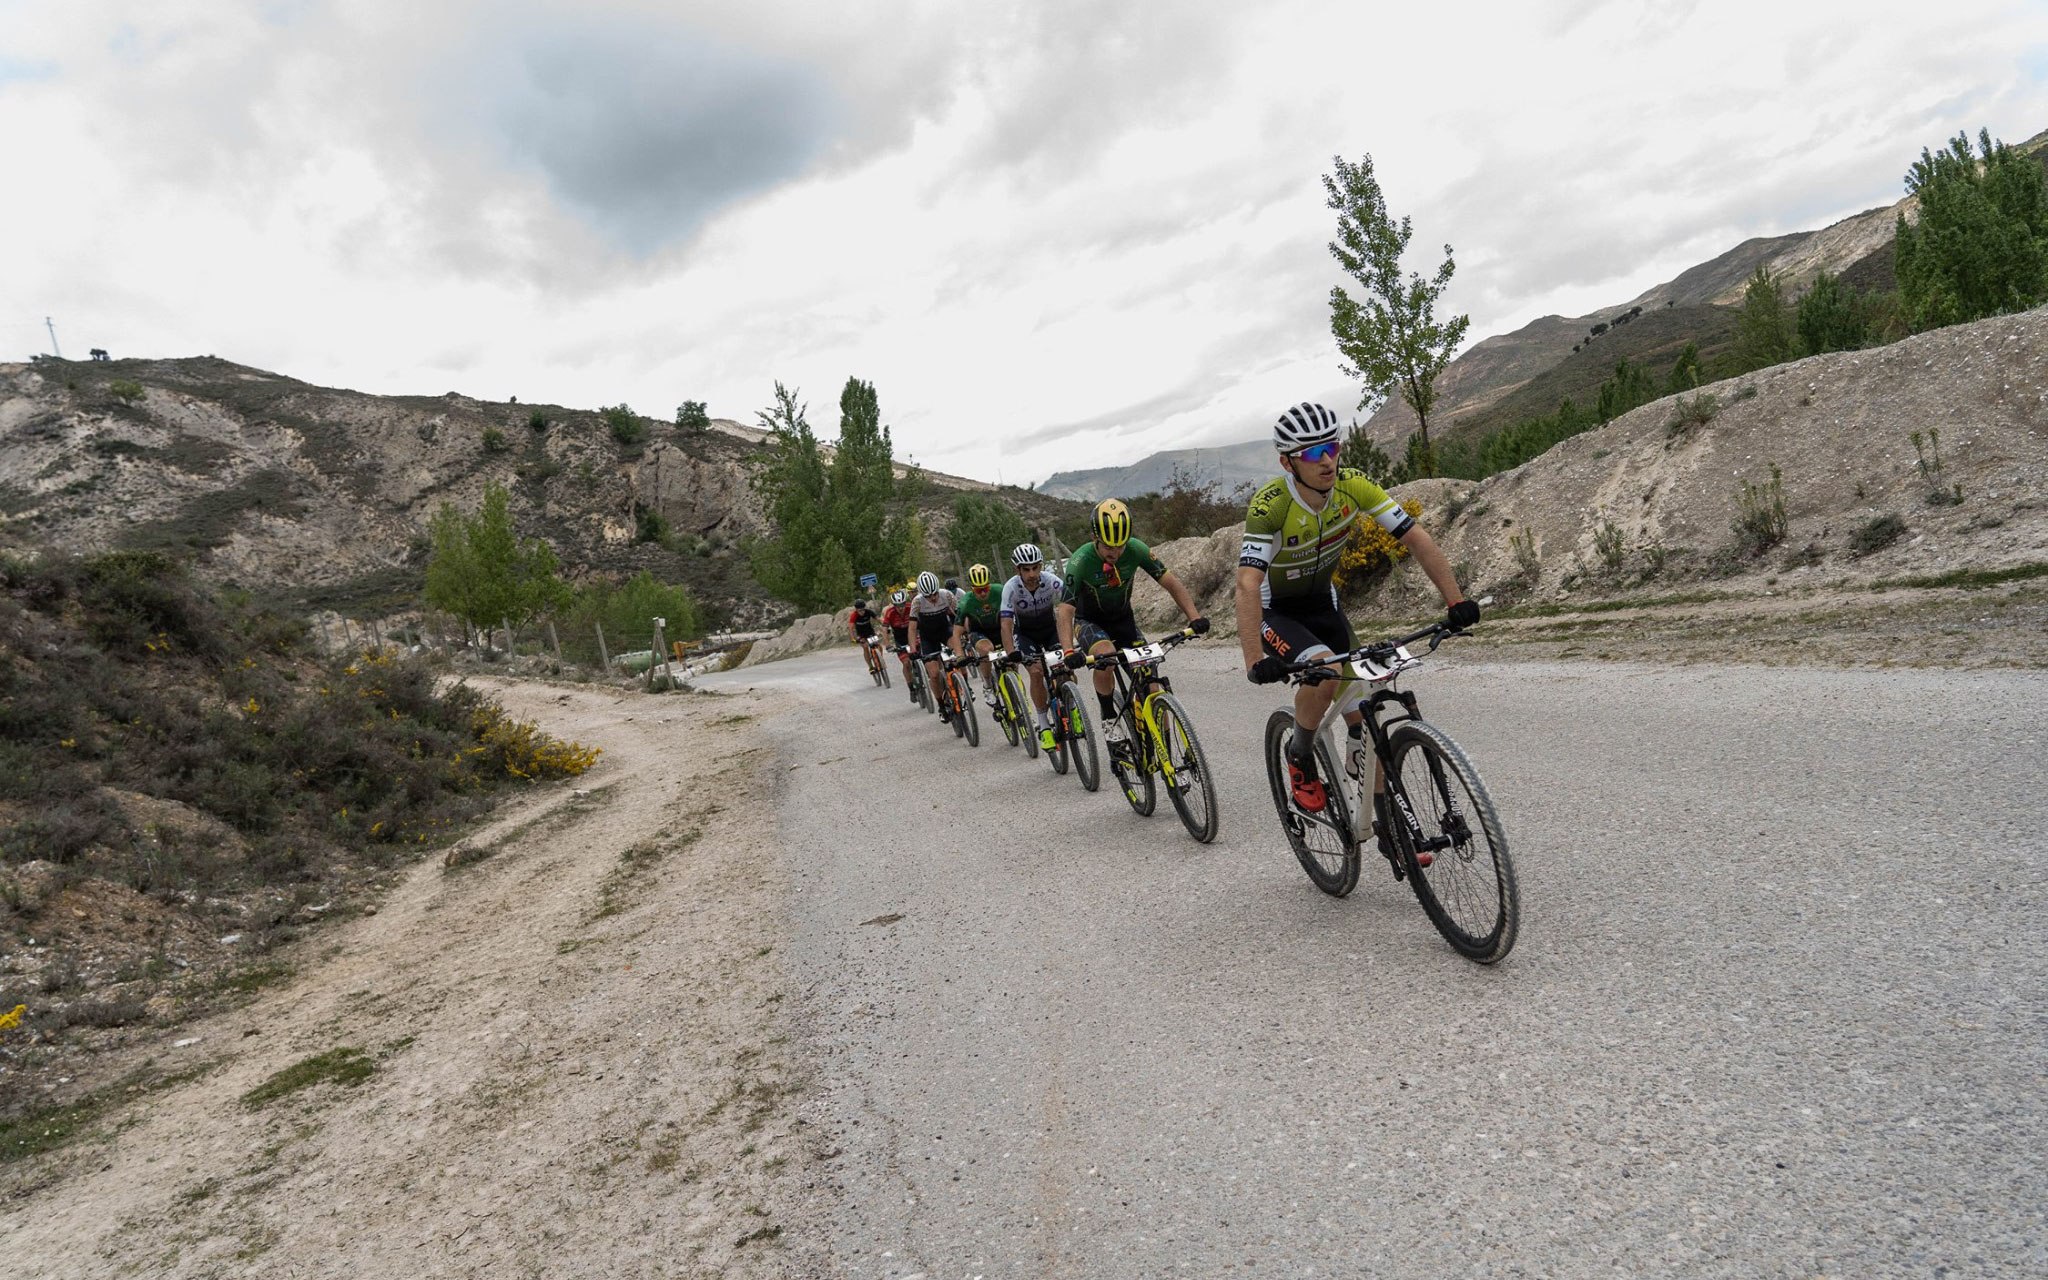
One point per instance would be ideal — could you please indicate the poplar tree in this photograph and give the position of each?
(1389, 337)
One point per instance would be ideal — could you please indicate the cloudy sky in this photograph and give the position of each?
(1054, 233)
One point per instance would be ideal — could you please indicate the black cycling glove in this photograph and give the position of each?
(1200, 626)
(1267, 670)
(1077, 659)
(1463, 614)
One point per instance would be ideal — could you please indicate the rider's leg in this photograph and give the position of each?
(1105, 682)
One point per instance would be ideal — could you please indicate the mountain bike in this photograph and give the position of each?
(919, 693)
(1073, 734)
(1158, 738)
(1012, 709)
(877, 668)
(959, 696)
(1446, 838)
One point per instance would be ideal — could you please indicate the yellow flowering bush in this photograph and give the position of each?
(522, 750)
(1371, 550)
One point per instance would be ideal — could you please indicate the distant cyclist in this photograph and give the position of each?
(1095, 608)
(1029, 627)
(931, 616)
(978, 629)
(897, 618)
(1294, 535)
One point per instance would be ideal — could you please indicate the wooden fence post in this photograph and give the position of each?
(554, 640)
(604, 655)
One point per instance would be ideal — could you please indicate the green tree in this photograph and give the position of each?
(1685, 374)
(627, 427)
(1630, 386)
(627, 612)
(1833, 317)
(1764, 331)
(483, 572)
(1980, 246)
(983, 527)
(1390, 339)
(692, 416)
(831, 522)
(1361, 454)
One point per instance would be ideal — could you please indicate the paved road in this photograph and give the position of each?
(1777, 1008)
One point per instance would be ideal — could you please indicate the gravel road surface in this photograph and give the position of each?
(1777, 1008)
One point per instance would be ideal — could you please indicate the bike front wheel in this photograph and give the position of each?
(963, 710)
(1323, 843)
(1468, 889)
(1020, 710)
(1129, 765)
(881, 671)
(1188, 785)
(1087, 764)
(1005, 710)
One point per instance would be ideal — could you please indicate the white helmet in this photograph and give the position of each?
(899, 597)
(1304, 425)
(927, 583)
(1027, 553)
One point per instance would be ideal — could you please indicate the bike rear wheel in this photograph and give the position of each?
(1323, 845)
(1468, 889)
(1058, 700)
(1190, 788)
(1129, 763)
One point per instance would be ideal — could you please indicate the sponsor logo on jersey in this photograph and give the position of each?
(1293, 539)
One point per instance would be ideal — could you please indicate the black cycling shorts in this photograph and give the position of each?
(1122, 632)
(933, 631)
(1294, 632)
(1035, 637)
(994, 635)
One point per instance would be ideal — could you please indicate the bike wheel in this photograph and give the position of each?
(881, 671)
(963, 709)
(1129, 764)
(1059, 702)
(1468, 889)
(1323, 845)
(1191, 789)
(1027, 723)
(1007, 707)
(924, 691)
(1087, 763)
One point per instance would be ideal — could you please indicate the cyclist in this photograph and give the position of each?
(931, 616)
(860, 621)
(1095, 607)
(897, 618)
(979, 628)
(1029, 625)
(1294, 534)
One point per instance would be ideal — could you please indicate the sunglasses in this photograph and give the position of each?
(1319, 452)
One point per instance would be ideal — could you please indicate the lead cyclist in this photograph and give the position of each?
(1287, 610)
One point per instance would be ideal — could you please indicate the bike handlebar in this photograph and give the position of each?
(1318, 669)
(1115, 657)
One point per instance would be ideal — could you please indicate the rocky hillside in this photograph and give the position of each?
(321, 496)
(1656, 502)
(1225, 466)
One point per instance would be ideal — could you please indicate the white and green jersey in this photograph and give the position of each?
(1299, 547)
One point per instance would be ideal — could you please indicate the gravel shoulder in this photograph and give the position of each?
(571, 1053)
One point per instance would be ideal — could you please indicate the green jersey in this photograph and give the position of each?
(1100, 590)
(981, 613)
(1299, 548)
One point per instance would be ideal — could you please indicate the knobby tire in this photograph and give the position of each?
(1326, 850)
(1468, 891)
(1194, 791)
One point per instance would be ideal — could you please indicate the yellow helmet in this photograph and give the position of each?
(1112, 523)
(977, 575)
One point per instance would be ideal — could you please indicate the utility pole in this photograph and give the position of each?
(51, 325)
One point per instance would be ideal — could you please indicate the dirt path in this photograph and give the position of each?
(574, 1053)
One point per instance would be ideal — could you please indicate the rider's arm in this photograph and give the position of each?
(1431, 558)
(1251, 615)
(1180, 595)
(1063, 618)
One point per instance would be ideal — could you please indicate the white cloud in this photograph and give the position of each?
(1053, 234)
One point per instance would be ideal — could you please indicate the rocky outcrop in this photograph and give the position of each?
(819, 631)
(705, 496)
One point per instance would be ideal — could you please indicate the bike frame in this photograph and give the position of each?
(1146, 676)
(1384, 666)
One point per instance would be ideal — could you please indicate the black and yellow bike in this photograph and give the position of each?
(1159, 739)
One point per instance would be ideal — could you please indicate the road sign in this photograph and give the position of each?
(869, 581)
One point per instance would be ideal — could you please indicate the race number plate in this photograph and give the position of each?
(1145, 653)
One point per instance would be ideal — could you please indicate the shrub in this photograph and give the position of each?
(537, 420)
(1612, 546)
(494, 441)
(1760, 522)
(691, 415)
(126, 389)
(1876, 533)
(1369, 552)
(1690, 413)
(627, 427)
(1523, 545)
